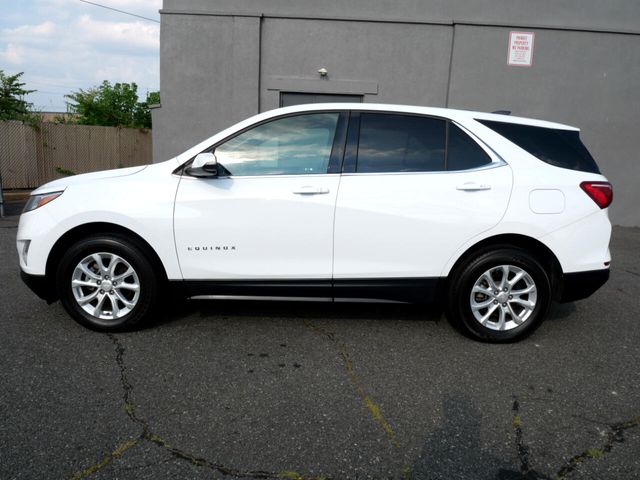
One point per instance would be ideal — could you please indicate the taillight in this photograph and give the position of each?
(599, 192)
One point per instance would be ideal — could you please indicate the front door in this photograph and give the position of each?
(269, 214)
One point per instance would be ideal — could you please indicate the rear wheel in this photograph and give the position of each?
(500, 295)
(107, 283)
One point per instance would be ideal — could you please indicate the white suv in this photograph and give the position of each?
(493, 215)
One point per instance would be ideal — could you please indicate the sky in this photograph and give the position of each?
(66, 45)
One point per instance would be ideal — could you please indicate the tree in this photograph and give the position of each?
(114, 105)
(143, 113)
(13, 106)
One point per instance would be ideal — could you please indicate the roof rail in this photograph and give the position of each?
(503, 112)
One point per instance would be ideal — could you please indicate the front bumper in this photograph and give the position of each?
(39, 285)
(579, 285)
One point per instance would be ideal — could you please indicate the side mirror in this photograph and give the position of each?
(204, 165)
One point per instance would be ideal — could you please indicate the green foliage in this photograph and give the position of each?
(65, 172)
(12, 103)
(114, 105)
(595, 453)
(64, 119)
(143, 113)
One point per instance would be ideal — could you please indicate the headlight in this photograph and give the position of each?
(37, 201)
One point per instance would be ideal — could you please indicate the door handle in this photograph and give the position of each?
(473, 187)
(309, 190)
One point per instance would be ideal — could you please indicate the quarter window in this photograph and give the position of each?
(400, 143)
(287, 146)
(463, 153)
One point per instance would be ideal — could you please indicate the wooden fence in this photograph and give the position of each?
(31, 155)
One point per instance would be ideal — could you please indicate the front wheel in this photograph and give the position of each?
(106, 283)
(499, 296)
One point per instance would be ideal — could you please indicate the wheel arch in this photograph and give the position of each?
(529, 244)
(82, 231)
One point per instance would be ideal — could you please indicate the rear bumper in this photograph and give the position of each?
(39, 285)
(579, 285)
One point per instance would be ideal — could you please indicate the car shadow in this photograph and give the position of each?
(277, 310)
(181, 310)
(561, 311)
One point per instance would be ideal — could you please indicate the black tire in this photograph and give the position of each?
(148, 295)
(462, 280)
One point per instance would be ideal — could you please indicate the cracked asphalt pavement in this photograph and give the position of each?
(311, 390)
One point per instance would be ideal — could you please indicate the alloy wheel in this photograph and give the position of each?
(503, 297)
(105, 286)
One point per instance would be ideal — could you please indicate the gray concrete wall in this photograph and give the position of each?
(591, 80)
(223, 61)
(209, 72)
(372, 59)
(613, 15)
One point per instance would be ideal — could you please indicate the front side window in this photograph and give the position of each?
(400, 143)
(286, 146)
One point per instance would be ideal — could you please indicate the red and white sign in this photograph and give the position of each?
(520, 49)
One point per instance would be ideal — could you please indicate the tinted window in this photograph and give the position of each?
(400, 143)
(463, 152)
(286, 146)
(562, 148)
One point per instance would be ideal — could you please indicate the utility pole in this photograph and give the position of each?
(1, 198)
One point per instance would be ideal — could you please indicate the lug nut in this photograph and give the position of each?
(106, 277)
(101, 291)
(510, 297)
(99, 282)
(495, 302)
(504, 289)
(495, 292)
(504, 304)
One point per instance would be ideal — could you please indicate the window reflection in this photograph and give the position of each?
(286, 146)
(400, 143)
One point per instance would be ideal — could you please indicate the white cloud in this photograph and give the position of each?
(62, 9)
(63, 54)
(136, 34)
(148, 6)
(13, 54)
(44, 29)
(29, 34)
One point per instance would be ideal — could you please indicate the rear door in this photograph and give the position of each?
(414, 189)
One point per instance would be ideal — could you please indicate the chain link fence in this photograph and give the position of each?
(31, 155)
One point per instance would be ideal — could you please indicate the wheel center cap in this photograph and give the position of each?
(502, 297)
(107, 285)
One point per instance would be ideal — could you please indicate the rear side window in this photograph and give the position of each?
(561, 148)
(400, 143)
(411, 143)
